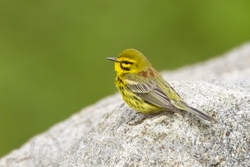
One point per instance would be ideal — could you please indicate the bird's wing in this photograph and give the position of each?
(148, 90)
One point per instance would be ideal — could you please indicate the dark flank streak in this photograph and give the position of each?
(121, 88)
(119, 80)
(136, 98)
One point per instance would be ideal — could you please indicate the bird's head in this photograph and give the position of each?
(130, 61)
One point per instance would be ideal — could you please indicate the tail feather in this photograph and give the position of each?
(201, 114)
(183, 106)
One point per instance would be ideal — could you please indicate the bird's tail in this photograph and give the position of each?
(183, 106)
(200, 114)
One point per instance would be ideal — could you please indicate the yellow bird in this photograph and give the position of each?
(144, 89)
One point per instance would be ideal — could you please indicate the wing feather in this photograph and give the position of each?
(148, 90)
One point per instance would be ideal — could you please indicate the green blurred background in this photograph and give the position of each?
(52, 53)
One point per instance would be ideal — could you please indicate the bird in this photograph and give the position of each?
(144, 89)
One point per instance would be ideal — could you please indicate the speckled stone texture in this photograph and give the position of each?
(107, 133)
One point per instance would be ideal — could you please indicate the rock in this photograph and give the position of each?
(105, 134)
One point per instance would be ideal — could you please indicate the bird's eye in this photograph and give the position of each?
(126, 65)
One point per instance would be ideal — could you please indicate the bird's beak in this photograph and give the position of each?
(112, 59)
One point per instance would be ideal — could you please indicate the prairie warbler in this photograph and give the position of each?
(144, 89)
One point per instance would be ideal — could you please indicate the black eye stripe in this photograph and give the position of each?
(127, 62)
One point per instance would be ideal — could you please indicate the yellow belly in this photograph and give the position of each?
(138, 103)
